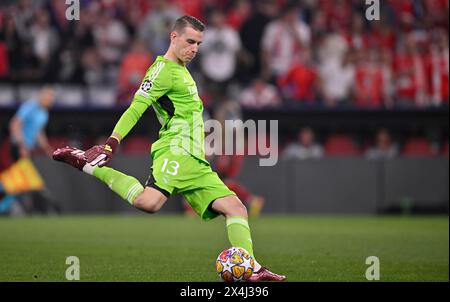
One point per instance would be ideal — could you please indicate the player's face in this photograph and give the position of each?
(187, 44)
(47, 97)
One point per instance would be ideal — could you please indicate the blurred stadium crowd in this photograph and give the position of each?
(265, 54)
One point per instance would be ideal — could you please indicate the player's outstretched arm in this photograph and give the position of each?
(155, 84)
(101, 155)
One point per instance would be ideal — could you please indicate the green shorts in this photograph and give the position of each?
(181, 172)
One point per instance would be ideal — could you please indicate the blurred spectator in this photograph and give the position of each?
(45, 41)
(81, 40)
(23, 15)
(301, 83)
(404, 13)
(409, 71)
(305, 147)
(239, 13)
(194, 8)
(357, 38)
(388, 85)
(227, 109)
(369, 81)
(44, 38)
(436, 12)
(92, 68)
(437, 67)
(111, 38)
(283, 40)
(133, 13)
(57, 11)
(252, 30)
(157, 25)
(384, 148)
(338, 78)
(260, 95)
(337, 13)
(134, 65)
(381, 36)
(228, 167)
(10, 41)
(38, 44)
(219, 51)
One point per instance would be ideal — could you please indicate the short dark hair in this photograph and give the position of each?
(186, 21)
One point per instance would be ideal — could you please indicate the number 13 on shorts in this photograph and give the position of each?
(170, 167)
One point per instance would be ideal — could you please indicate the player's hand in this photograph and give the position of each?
(98, 155)
(101, 155)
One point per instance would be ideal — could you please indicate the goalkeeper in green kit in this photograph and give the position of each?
(178, 159)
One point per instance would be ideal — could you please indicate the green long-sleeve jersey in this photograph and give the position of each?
(170, 89)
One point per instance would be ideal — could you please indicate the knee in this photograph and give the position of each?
(236, 208)
(146, 204)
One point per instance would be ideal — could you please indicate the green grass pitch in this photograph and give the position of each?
(177, 248)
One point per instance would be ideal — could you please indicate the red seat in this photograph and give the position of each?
(417, 146)
(136, 145)
(341, 145)
(445, 149)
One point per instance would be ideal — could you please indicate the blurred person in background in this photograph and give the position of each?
(369, 80)
(382, 36)
(132, 70)
(27, 133)
(156, 26)
(72, 54)
(92, 68)
(283, 40)
(260, 94)
(357, 37)
(251, 33)
(111, 38)
(409, 75)
(338, 13)
(305, 147)
(219, 53)
(23, 14)
(44, 43)
(228, 168)
(384, 148)
(301, 84)
(239, 13)
(338, 79)
(437, 68)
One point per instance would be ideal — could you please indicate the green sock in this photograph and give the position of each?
(124, 185)
(239, 233)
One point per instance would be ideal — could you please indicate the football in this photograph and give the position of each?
(235, 265)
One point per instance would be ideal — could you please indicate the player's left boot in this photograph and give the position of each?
(70, 155)
(265, 275)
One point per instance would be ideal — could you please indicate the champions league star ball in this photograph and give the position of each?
(235, 265)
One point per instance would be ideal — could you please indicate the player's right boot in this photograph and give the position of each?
(265, 275)
(70, 155)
